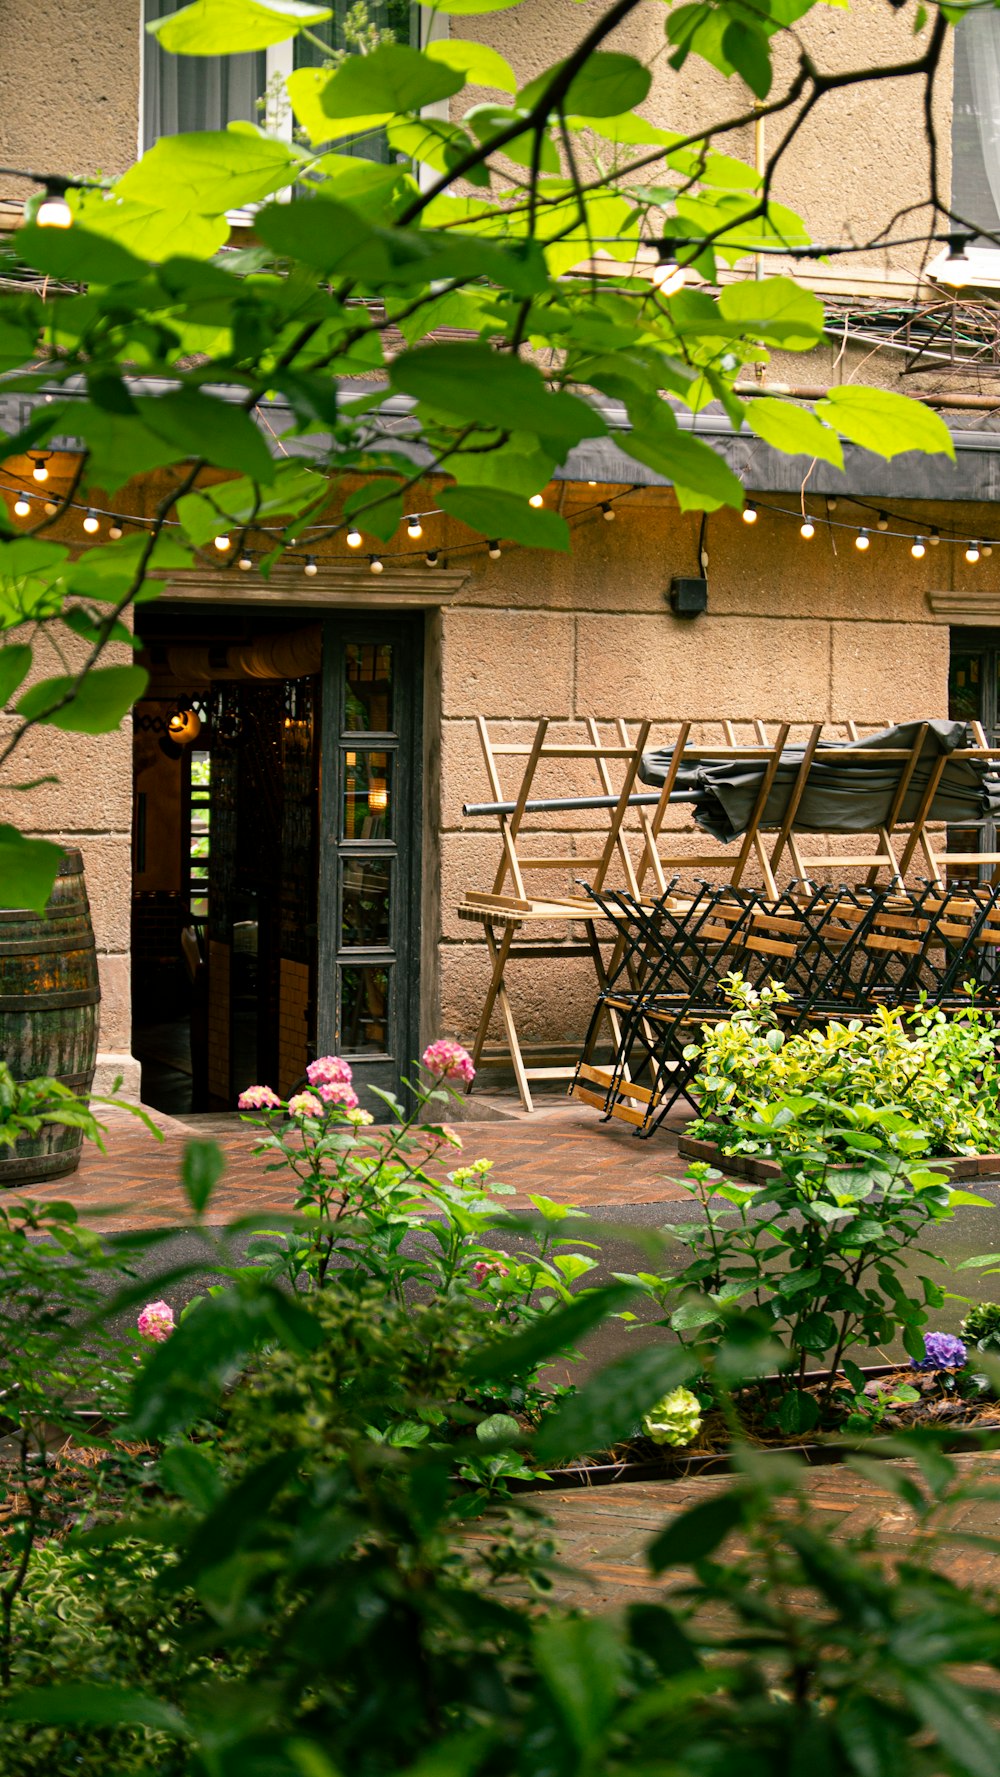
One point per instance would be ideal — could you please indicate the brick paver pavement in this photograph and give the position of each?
(568, 1155)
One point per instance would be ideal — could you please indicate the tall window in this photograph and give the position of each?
(208, 92)
(975, 132)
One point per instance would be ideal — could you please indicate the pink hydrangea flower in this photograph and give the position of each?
(258, 1098)
(449, 1061)
(444, 1133)
(305, 1104)
(339, 1094)
(482, 1269)
(157, 1319)
(329, 1070)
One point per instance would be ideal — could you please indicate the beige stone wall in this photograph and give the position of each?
(795, 631)
(69, 85)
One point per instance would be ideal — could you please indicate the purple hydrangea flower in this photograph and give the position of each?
(942, 1351)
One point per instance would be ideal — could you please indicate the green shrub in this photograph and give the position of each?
(939, 1071)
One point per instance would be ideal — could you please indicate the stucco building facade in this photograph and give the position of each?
(795, 630)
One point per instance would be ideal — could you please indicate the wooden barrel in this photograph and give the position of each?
(49, 999)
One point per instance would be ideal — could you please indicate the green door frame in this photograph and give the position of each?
(392, 954)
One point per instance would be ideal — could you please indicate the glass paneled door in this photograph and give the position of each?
(368, 1000)
(974, 696)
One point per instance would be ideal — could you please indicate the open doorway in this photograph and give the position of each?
(276, 844)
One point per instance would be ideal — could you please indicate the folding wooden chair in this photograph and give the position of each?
(508, 910)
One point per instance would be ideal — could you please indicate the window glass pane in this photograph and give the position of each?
(367, 810)
(975, 129)
(364, 1010)
(182, 93)
(355, 30)
(964, 694)
(368, 691)
(365, 914)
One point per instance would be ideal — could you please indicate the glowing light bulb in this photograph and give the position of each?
(749, 513)
(116, 529)
(310, 567)
(414, 528)
(493, 551)
(54, 212)
(222, 542)
(918, 549)
(354, 538)
(375, 564)
(40, 469)
(537, 500)
(91, 523)
(807, 529)
(972, 553)
(668, 276)
(607, 512)
(862, 540)
(245, 562)
(22, 505)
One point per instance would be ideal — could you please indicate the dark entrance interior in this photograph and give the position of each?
(275, 846)
(974, 696)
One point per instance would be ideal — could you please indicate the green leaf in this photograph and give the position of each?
(393, 78)
(201, 1169)
(884, 422)
(793, 429)
(380, 517)
(476, 62)
(499, 1428)
(93, 1706)
(473, 382)
(964, 1734)
(495, 513)
(611, 1403)
(798, 1412)
(775, 310)
(747, 49)
(582, 1661)
(870, 1736)
(77, 255)
(657, 1632)
(606, 85)
(702, 480)
(203, 426)
(96, 705)
(188, 1471)
(236, 1517)
(15, 662)
(228, 27)
(215, 170)
(549, 1334)
(696, 1533)
(28, 869)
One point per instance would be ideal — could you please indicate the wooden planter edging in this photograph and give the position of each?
(679, 1467)
(752, 1167)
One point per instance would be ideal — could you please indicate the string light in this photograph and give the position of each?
(607, 511)
(354, 538)
(986, 549)
(934, 537)
(375, 564)
(807, 529)
(862, 539)
(414, 528)
(54, 212)
(51, 508)
(116, 529)
(431, 558)
(91, 523)
(245, 562)
(40, 469)
(831, 505)
(310, 568)
(667, 275)
(537, 500)
(883, 521)
(972, 552)
(22, 505)
(493, 550)
(749, 513)
(918, 548)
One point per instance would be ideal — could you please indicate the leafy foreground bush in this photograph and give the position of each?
(296, 1556)
(940, 1072)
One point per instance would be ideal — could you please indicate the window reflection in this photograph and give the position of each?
(364, 1010)
(367, 810)
(365, 915)
(368, 688)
